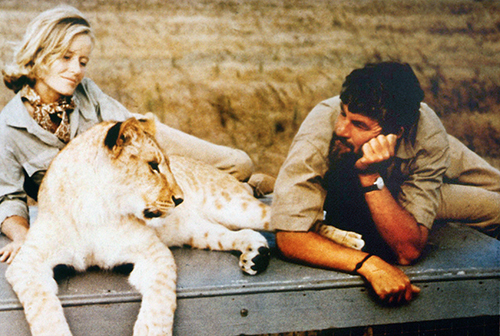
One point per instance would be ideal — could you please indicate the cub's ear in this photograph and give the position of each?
(120, 134)
(148, 124)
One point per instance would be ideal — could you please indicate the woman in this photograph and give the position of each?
(54, 102)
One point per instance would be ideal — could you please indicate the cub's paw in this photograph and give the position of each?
(345, 238)
(255, 260)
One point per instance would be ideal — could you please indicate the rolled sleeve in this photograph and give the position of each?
(13, 198)
(13, 206)
(299, 194)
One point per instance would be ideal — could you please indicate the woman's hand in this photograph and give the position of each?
(15, 228)
(9, 251)
(389, 283)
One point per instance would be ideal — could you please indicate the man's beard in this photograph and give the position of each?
(341, 152)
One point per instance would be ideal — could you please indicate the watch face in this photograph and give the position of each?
(379, 183)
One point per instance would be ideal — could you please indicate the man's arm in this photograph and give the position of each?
(396, 225)
(15, 228)
(389, 283)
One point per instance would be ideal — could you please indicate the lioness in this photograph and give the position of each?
(110, 197)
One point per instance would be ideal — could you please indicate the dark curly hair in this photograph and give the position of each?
(388, 92)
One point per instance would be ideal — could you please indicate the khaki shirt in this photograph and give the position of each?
(414, 175)
(26, 149)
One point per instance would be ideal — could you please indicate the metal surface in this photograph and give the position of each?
(459, 275)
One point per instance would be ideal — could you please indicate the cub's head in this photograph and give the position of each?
(140, 171)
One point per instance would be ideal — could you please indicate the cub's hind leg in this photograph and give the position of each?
(239, 211)
(32, 279)
(154, 275)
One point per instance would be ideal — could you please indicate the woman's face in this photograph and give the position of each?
(66, 72)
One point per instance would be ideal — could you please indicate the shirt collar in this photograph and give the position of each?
(406, 147)
(84, 104)
(18, 116)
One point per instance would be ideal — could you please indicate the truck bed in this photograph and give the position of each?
(459, 275)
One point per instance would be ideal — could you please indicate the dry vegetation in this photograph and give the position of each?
(246, 73)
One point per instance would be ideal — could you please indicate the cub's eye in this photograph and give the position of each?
(154, 166)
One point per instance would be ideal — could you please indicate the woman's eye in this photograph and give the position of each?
(154, 166)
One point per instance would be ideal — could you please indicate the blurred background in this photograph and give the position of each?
(246, 73)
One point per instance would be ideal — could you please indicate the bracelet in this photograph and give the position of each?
(360, 264)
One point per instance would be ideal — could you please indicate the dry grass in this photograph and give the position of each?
(246, 73)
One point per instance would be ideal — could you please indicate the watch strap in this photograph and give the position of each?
(370, 188)
(377, 185)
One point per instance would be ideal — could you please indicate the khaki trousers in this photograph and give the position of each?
(471, 191)
(233, 161)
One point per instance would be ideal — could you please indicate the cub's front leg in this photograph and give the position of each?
(32, 279)
(154, 275)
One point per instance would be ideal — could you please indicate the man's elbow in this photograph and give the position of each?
(409, 256)
(410, 251)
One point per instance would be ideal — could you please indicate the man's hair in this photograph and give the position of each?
(47, 38)
(388, 92)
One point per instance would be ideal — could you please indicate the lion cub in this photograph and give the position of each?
(110, 197)
(97, 201)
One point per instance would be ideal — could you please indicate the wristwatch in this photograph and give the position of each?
(377, 185)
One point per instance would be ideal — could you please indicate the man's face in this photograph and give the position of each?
(354, 130)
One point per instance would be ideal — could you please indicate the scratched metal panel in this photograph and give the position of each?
(303, 310)
(283, 311)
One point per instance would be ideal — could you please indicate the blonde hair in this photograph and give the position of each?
(47, 38)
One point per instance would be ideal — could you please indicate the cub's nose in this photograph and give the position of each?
(177, 201)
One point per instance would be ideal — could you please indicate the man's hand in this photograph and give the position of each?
(377, 150)
(389, 283)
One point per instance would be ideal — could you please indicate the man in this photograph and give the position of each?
(380, 163)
